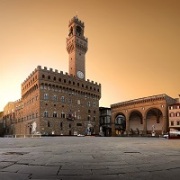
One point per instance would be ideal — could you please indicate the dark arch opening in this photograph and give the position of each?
(120, 124)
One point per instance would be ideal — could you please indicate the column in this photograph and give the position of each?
(127, 122)
(144, 125)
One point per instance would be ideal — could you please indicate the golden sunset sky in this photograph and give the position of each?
(133, 45)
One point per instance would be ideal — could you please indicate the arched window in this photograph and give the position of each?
(62, 99)
(171, 114)
(88, 104)
(62, 115)
(45, 114)
(178, 114)
(54, 114)
(43, 76)
(55, 98)
(45, 96)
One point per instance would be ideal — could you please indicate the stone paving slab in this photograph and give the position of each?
(87, 158)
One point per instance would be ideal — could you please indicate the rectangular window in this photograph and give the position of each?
(45, 96)
(178, 122)
(79, 124)
(78, 102)
(172, 123)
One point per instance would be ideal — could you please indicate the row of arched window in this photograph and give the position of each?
(29, 91)
(29, 116)
(30, 101)
(174, 107)
(64, 115)
(30, 82)
(174, 114)
(69, 91)
(68, 100)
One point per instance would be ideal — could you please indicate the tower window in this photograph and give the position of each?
(49, 77)
(43, 76)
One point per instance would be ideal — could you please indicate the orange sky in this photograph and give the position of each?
(134, 45)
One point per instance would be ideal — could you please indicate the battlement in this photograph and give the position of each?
(56, 72)
(76, 20)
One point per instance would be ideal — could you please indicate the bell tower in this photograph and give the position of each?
(76, 45)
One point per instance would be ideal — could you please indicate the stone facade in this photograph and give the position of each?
(59, 103)
(105, 121)
(141, 116)
(174, 115)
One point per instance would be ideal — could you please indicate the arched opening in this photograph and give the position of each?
(154, 120)
(135, 122)
(120, 124)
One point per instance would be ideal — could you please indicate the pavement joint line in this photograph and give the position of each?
(58, 170)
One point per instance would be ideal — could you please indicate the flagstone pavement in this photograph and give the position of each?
(86, 158)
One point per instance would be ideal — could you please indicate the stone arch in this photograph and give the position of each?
(135, 121)
(154, 120)
(120, 123)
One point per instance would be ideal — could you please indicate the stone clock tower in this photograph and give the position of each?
(77, 48)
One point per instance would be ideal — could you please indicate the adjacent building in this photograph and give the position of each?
(148, 115)
(174, 116)
(105, 121)
(57, 103)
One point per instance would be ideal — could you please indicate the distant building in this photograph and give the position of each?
(174, 116)
(105, 121)
(148, 115)
(1, 124)
(58, 103)
(9, 117)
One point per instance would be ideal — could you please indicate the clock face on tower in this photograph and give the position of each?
(80, 74)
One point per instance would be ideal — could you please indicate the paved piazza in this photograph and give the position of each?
(101, 158)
